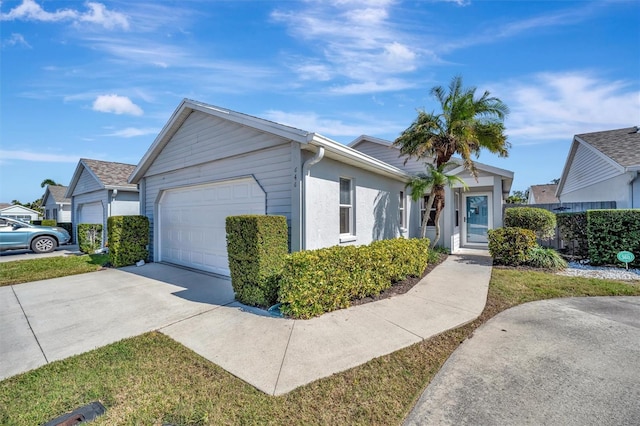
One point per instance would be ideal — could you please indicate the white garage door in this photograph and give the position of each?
(191, 222)
(90, 213)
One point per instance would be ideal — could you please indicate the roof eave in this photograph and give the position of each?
(342, 152)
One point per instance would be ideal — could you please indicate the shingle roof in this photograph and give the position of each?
(621, 145)
(111, 174)
(544, 194)
(58, 193)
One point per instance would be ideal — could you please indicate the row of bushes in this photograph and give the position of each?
(312, 282)
(317, 281)
(600, 234)
(128, 238)
(516, 243)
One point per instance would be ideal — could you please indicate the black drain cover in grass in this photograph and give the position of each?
(79, 415)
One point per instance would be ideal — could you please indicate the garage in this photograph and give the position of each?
(90, 213)
(191, 221)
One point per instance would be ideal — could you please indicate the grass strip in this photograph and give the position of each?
(21, 271)
(151, 379)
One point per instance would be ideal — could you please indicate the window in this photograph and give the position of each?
(402, 209)
(457, 207)
(432, 214)
(346, 206)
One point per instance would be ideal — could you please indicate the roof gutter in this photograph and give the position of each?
(305, 171)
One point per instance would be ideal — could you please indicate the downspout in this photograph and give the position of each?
(631, 185)
(305, 171)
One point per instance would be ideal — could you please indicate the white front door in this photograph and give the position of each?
(191, 222)
(477, 219)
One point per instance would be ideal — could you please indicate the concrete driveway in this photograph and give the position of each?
(569, 361)
(11, 255)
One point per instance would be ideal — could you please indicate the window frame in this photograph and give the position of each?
(403, 210)
(349, 206)
(423, 204)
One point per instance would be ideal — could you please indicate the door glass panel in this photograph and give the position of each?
(477, 218)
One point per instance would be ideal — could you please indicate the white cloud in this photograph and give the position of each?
(548, 106)
(37, 156)
(15, 40)
(388, 85)
(355, 40)
(116, 104)
(97, 13)
(131, 132)
(330, 127)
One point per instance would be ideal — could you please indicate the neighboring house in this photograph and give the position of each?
(208, 163)
(603, 166)
(18, 212)
(543, 194)
(56, 204)
(100, 189)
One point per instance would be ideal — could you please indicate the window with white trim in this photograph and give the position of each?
(403, 218)
(346, 206)
(432, 214)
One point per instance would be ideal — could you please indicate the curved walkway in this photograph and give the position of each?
(568, 361)
(49, 320)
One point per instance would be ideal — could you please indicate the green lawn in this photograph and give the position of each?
(151, 379)
(22, 271)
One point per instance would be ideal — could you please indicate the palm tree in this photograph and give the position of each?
(435, 180)
(466, 125)
(48, 182)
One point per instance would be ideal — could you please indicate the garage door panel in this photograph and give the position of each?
(192, 221)
(90, 212)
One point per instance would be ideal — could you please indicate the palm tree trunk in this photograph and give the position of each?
(427, 213)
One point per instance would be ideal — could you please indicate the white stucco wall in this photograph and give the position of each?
(125, 203)
(376, 204)
(614, 189)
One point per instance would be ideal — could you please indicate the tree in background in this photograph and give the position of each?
(48, 182)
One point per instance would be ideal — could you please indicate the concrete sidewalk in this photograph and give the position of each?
(49, 320)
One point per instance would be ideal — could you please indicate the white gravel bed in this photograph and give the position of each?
(575, 269)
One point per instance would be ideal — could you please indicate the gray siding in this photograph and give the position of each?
(86, 183)
(390, 155)
(208, 149)
(587, 168)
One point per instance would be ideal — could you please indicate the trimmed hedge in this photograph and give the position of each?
(317, 281)
(511, 246)
(573, 231)
(611, 231)
(128, 238)
(540, 221)
(89, 237)
(257, 246)
(48, 222)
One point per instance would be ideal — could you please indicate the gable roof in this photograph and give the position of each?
(331, 149)
(619, 147)
(544, 194)
(109, 175)
(20, 208)
(58, 193)
(458, 161)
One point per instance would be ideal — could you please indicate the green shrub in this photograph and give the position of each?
(545, 258)
(612, 231)
(511, 246)
(317, 281)
(128, 239)
(89, 237)
(257, 246)
(540, 221)
(69, 227)
(49, 222)
(573, 231)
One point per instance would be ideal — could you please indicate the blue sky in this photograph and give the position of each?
(99, 79)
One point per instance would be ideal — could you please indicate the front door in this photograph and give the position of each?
(477, 219)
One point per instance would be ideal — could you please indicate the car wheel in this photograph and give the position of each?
(43, 244)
